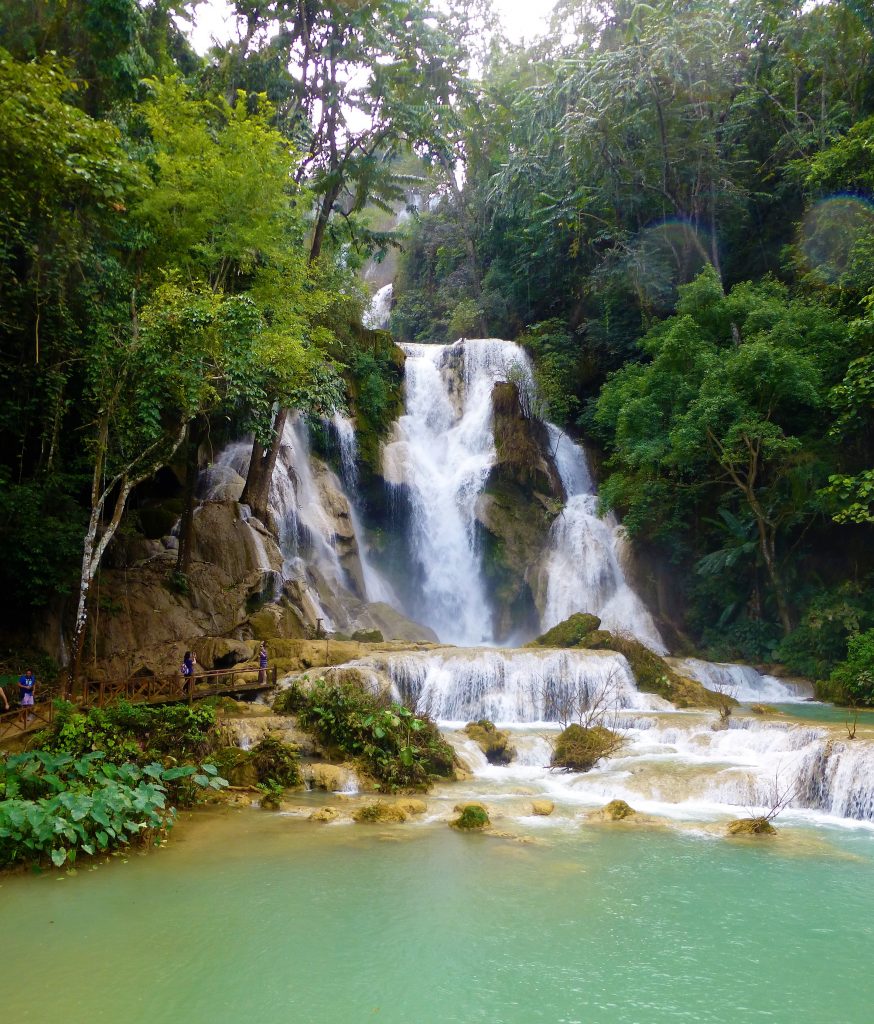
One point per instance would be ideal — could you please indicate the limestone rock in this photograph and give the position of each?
(331, 777)
(236, 766)
(381, 812)
(412, 806)
(570, 632)
(542, 807)
(494, 743)
(325, 814)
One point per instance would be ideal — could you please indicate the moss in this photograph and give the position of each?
(579, 749)
(654, 675)
(472, 818)
(569, 633)
(325, 814)
(493, 742)
(617, 810)
(381, 812)
(236, 766)
(368, 636)
(751, 827)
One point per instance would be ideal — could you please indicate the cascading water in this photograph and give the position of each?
(743, 682)
(377, 316)
(581, 567)
(442, 451)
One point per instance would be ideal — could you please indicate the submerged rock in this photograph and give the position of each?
(472, 817)
(493, 742)
(579, 749)
(412, 806)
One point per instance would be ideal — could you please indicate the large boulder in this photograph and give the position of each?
(472, 817)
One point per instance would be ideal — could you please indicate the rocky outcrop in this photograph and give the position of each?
(493, 742)
(516, 508)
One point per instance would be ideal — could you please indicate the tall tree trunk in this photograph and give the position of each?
(261, 466)
(186, 526)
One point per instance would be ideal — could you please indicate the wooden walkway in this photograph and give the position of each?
(140, 690)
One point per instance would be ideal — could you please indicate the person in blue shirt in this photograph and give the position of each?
(26, 686)
(188, 663)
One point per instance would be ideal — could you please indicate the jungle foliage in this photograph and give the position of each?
(671, 206)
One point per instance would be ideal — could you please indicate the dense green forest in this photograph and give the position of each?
(669, 204)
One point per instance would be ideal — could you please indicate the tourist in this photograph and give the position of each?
(26, 686)
(188, 663)
(4, 698)
(262, 663)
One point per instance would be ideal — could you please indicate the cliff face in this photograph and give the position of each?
(521, 498)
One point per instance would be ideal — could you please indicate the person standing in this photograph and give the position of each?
(188, 663)
(262, 663)
(26, 687)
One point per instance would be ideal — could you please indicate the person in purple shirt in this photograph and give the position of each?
(262, 663)
(26, 686)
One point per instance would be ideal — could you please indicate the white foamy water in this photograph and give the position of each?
(442, 450)
(377, 316)
(581, 567)
(743, 682)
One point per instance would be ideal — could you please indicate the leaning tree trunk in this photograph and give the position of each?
(186, 525)
(93, 548)
(261, 465)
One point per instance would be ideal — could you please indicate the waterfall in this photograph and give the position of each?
(743, 682)
(442, 451)
(377, 316)
(582, 568)
(509, 686)
(376, 586)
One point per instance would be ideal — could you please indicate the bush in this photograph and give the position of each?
(56, 805)
(853, 679)
(399, 749)
(578, 749)
(133, 732)
(276, 763)
(570, 632)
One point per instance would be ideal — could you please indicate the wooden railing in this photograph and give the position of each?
(141, 690)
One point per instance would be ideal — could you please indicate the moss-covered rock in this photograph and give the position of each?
(325, 814)
(236, 766)
(654, 675)
(569, 633)
(762, 709)
(618, 810)
(331, 777)
(381, 812)
(751, 827)
(579, 749)
(471, 818)
(543, 808)
(494, 742)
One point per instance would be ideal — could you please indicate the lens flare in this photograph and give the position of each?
(666, 254)
(830, 235)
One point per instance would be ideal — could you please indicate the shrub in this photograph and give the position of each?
(570, 632)
(398, 748)
(56, 805)
(578, 749)
(276, 763)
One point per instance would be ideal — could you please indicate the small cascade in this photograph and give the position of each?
(442, 452)
(376, 318)
(743, 682)
(376, 586)
(838, 778)
(515, 687)
(581, 568)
